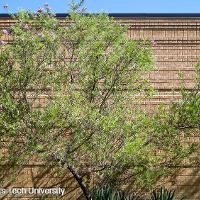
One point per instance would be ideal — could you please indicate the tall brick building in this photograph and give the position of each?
(176, 44)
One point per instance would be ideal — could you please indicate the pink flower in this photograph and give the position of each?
(40, 10)
(153, 42)
(2, 42)
(6, 32)
(6, 6)
(41, 35)
(26, 27)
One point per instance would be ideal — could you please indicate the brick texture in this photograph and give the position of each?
(176, 46)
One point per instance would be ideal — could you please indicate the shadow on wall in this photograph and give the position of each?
(26, 181)
(186, 183)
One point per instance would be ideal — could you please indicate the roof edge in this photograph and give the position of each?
(143, 14)
(5, 15)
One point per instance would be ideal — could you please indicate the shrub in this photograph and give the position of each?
(163, 194)
(107, 192)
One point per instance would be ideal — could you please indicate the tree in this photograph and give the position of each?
(90, 72)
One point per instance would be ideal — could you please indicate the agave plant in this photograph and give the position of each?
(108, 192)
(163, 194)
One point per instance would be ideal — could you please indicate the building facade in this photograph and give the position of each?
(176, 46)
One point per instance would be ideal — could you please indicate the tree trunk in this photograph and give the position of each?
(79, 179)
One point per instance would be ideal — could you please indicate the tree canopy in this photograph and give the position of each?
(90, 74)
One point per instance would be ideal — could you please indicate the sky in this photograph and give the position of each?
(108, 6)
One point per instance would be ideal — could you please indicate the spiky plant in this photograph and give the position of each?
(107, 192)
(163, 194)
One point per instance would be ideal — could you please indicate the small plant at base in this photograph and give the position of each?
(163, 194)
(107, 192)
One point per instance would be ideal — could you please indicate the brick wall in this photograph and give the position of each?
(176, 47)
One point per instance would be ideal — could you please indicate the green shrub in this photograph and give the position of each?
(108, 192)
(163, 194)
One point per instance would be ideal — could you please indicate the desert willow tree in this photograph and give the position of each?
(89, 72)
